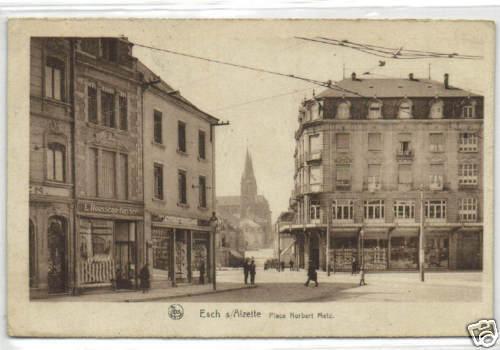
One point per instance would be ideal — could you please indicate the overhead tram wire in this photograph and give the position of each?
(326, 84)
(387, 52)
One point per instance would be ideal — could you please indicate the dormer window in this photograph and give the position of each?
(375, 109)
(469, 109)
(436, 111)
(405, 109)
(344, 110)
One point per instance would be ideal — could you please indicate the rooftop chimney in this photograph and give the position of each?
(410, 76)
(446, 81)
(353, 76)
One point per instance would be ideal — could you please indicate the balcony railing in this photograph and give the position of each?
(314, 156)
(343, 184)
(467, 180)
(313, 188)
(404, 155)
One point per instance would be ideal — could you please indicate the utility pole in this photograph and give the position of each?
(421, 257)
(328, 242)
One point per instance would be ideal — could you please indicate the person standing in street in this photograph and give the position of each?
(354, 267)
(291, 265)
(202, 272)
(246, 270)
(312, 275)
(362, 277)
(144, 276)
(252, 272)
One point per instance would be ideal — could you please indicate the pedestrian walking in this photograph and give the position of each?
(354, 267)
(246, 270)
(312, 275)
(282, 266)
(362, 277)
(144, 276)
(252, 271)
(202, 272)
(291, 265)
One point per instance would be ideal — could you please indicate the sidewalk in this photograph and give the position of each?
(155, 294)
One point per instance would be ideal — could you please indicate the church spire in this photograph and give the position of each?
(248, 171)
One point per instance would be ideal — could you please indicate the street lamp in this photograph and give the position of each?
(213, 224)
(421, 257)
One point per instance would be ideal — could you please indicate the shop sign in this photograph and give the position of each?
(108, 209)
(174, 220)
(49, 191)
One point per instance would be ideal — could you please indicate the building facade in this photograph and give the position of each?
(249, 211)
(380, 162)
(179, 183)
(94, 164)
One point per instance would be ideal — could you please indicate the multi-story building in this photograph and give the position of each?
(376, 159)
(96, 162)
(51, 222)
(179, 182)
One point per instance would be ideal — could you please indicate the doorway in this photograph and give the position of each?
(56, 236)
(125, 255)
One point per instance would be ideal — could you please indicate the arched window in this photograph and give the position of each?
(54, 78)
(374, 109)
(436, 111)
(344, 110)
(56, 156)
(32, 254)
(405, 109)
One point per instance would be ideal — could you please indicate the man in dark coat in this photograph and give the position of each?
(202, 272)
(291, 265)
(252, 272)
(246, 270)
(354, 268)
(144, 276)
(312, 275)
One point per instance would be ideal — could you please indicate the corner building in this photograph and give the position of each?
(370, 157)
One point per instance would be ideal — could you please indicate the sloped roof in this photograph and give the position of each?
(394, 87)
(166, 88)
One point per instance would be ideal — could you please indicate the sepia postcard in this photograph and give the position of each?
(250, 178)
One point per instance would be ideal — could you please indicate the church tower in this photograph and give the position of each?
(248, 189)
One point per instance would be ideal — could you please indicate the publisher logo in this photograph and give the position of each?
(175, 311)
(484, 333)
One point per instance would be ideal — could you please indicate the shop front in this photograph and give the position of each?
(180, 248)
(437, 249)
(344, 246)
(374, 249)
(110, 244)
(403, 249)
(469, 252)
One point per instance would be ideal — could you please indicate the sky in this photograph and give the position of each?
(262, 109)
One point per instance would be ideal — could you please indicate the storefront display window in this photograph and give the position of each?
(404, 252)
(375, 253)
(342, 253)
(436, 252)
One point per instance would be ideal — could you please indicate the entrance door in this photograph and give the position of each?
(32, 255)
(125, 254)
(469, 251)
(57, 255)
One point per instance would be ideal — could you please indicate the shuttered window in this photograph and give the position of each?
(343, 142)
(54, 78)
(56, 162)
(158, 120)
(92, 103)
(181, 137)
(201, 144)
(405, 174)
(108, 177)
(375, 141)
(108, 109)
(182, 187)
(123, 184)
(158, 181)
(92, 172)
(202, 186)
